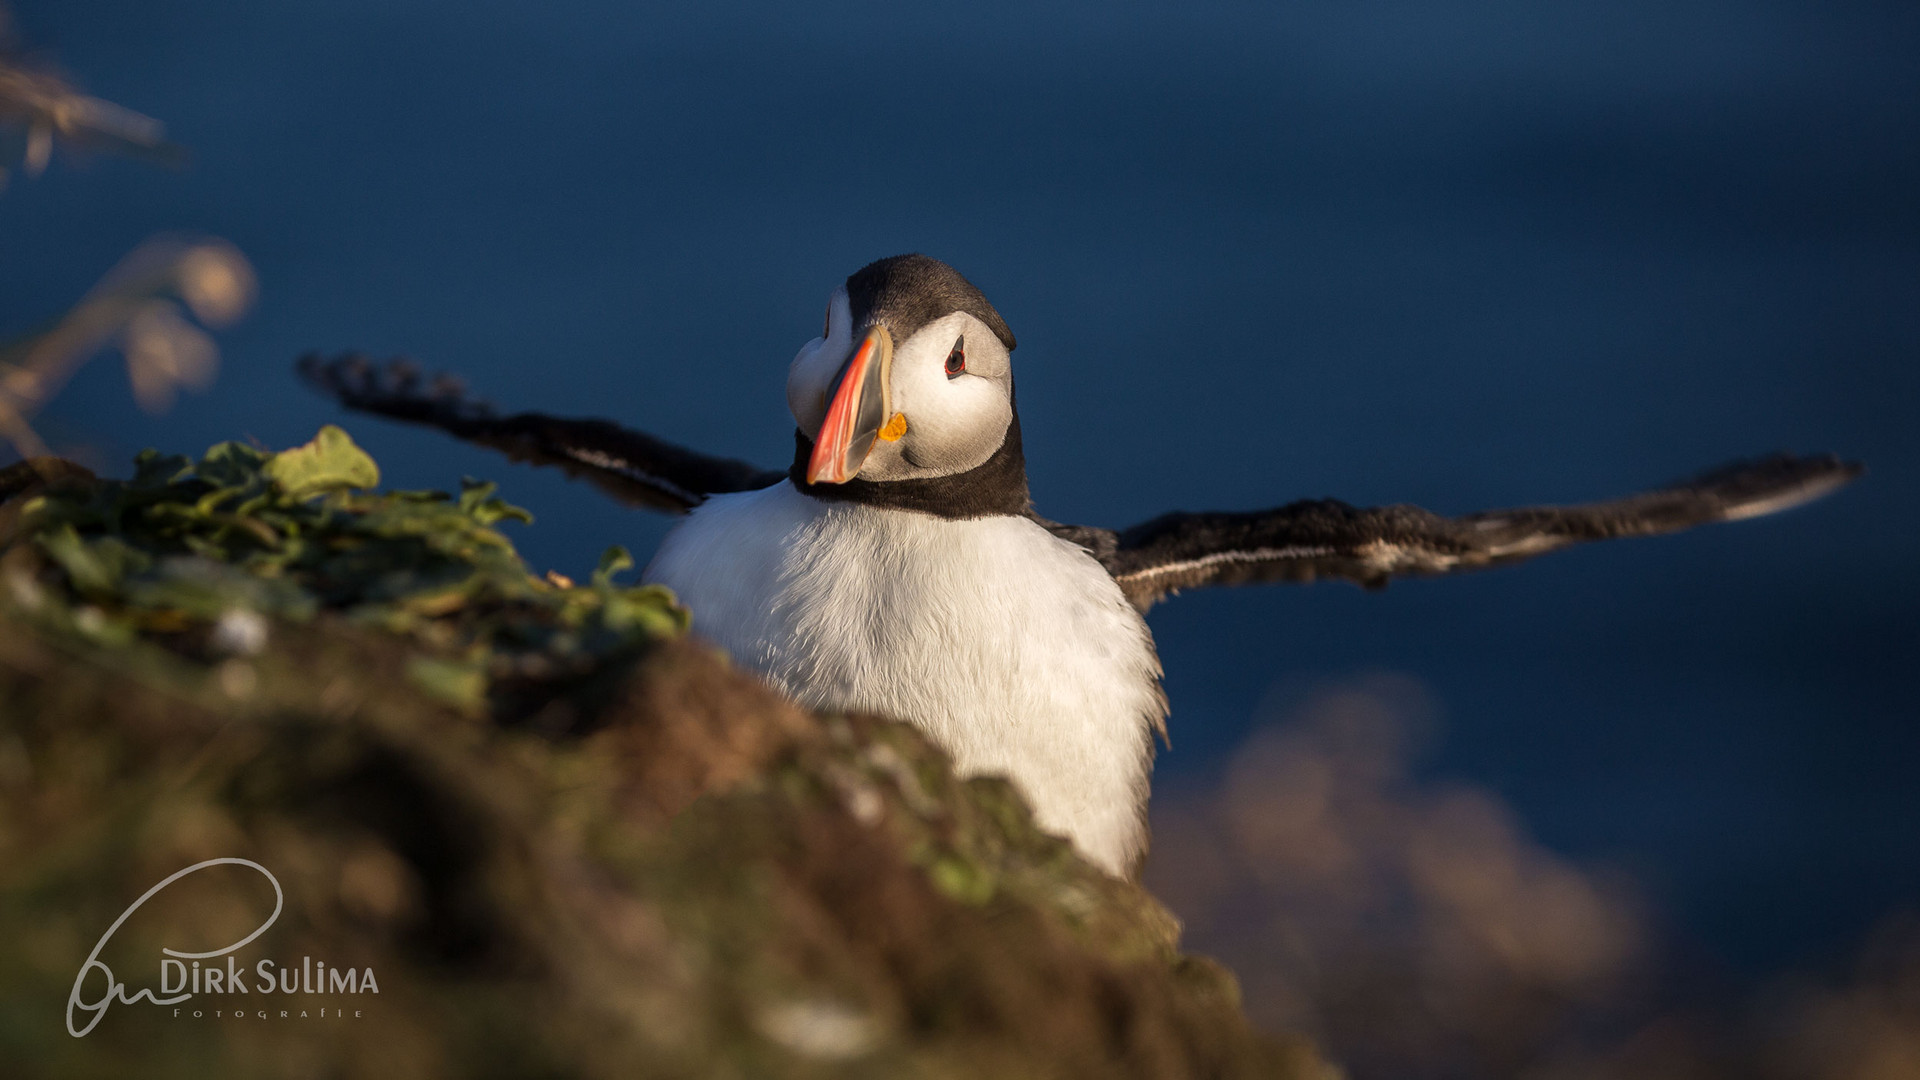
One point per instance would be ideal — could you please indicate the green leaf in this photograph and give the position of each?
(331, 462)
(475, 493)
(231, 464)
(650, 610)
(153, 470)
(477, 502)
(612, 561)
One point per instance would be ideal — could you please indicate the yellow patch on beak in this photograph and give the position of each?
(895, 428)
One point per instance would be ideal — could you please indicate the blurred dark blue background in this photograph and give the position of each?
(1464, 255)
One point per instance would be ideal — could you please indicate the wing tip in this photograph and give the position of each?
(357, 381)
(1779, 482)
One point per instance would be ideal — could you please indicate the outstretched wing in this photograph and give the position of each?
(631, 466)
(1326, 538)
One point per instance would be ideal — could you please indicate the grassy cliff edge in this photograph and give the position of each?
(568, 838)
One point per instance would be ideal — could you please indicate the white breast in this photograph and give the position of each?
(1011, 648)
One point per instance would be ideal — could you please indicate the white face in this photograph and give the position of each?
(954, 422)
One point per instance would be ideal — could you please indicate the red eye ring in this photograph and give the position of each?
(957, 359)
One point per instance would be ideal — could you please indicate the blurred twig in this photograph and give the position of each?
(46, 107)
(140, 303)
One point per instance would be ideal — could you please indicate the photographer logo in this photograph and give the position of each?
(184, 976)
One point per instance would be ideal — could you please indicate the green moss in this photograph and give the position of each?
(198, 555)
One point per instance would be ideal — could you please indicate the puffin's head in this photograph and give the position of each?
(909, 380)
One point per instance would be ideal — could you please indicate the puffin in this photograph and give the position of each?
(898, 567)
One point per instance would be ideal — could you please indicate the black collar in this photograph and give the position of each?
(996, 487)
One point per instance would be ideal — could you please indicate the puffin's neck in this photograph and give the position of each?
(997, 487)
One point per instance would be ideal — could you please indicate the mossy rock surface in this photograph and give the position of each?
(569, 840)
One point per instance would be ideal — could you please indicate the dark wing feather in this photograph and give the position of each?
(631, 466)
(1326, 538)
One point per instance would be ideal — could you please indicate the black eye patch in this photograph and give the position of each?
(957, 359)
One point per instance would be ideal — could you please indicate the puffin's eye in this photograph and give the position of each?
(957, 359)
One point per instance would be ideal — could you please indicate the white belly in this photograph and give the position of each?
(1013, 649)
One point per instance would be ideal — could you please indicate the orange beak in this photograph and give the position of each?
(859, 410)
